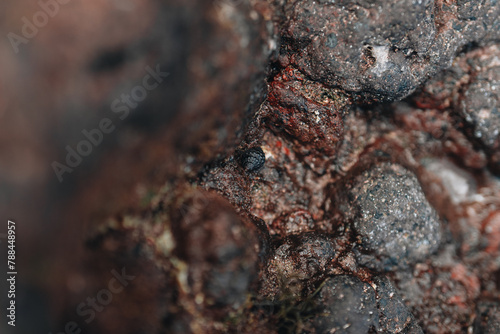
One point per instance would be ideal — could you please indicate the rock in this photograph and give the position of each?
(479, 102)
(305, 111)
(441, 293)
(380, 50)
(299, 262)
(394, 315)
(488, 320)
(293, 223)
(470, 89)
(395, 223)
(346, 305)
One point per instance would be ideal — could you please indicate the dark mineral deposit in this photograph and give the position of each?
(395, 224)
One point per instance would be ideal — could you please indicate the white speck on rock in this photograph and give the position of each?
(381, 54)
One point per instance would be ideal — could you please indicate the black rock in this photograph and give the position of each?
(394, 315)
(346, 305)
(395, 223)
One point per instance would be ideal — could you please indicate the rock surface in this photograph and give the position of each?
(302, 167)
(395, 223)
(346, 305)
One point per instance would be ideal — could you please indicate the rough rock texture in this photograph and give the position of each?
(346, 305)
(306, 113)
(441, 292)
(470, 89)
(299, 263)
(395, 317)
(275, 182)
(488, 320)
(395, 223)
(381, 50)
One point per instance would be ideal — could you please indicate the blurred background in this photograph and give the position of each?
(115, 74)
